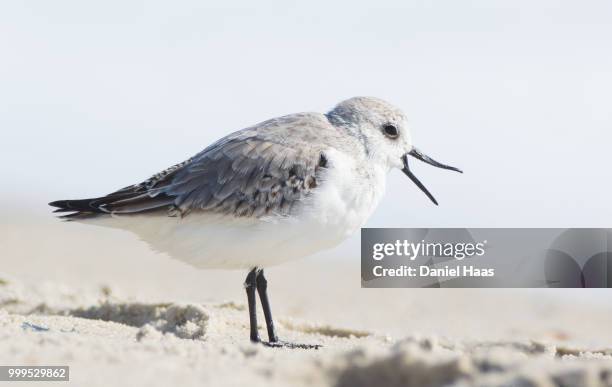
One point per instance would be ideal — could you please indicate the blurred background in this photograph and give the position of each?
(97, 96)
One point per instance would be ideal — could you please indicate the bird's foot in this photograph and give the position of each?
(286, 344)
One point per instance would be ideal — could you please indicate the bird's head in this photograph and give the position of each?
(384, 132)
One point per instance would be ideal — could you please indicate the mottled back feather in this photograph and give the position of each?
(251, 173)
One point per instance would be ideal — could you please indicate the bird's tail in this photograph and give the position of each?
(130, 200)
(78, 209)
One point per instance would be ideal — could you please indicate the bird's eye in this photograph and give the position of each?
(390, 131)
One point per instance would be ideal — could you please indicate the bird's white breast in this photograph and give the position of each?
(350, 192)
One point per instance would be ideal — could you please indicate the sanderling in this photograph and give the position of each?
(280, 190)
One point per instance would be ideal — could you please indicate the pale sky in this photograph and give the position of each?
(98, 95)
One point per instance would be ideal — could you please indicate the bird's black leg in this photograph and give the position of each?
(250, 284)
(262, 289)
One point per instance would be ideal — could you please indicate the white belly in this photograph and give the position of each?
(339, 207)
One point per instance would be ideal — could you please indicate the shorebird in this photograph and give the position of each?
(277, 191)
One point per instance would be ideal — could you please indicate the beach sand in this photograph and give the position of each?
(99, 301)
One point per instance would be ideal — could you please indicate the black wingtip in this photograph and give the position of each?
(61, 210)
(57, 203)
(78, 205)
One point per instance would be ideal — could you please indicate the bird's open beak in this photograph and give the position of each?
(418, 155)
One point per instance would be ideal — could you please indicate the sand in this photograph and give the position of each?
(99, 301)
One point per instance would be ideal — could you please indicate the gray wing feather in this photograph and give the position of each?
(246, 178)
(268, 169)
